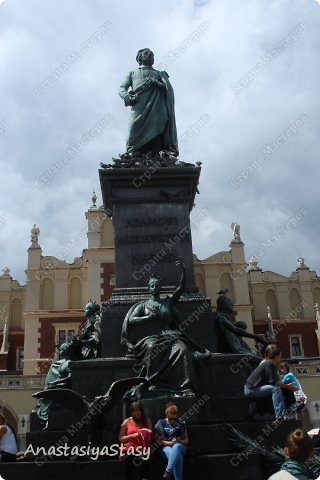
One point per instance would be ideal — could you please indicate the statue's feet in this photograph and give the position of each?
(185, 394)
(168, 152)
(45, 426)
(135, 393)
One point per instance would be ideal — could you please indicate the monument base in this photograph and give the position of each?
(150, 208)
(219, 401)
(198, 467)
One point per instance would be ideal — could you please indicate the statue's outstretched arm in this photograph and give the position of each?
(241, 332)
(179, 290)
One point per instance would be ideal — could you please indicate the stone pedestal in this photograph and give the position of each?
(219, 401)
(150, 213)
(150, 210)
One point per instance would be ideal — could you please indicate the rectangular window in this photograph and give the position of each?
(62, 337)
(296, 349)
(19, 358)
(71, 334)
(65, 336)
(64, 332)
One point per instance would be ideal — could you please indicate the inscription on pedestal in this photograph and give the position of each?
(151, 222)
(149, 244)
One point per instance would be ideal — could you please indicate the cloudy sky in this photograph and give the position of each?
(246, 79)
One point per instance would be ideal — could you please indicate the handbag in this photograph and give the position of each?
(300, 397)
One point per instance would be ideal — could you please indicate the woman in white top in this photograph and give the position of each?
(8, 444)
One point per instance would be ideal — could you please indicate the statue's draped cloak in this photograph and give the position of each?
(166, 354)
(89, 348)
(153, 114)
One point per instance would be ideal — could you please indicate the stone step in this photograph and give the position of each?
(204, 467)
(217, 438)
(221, 375)
(194, 410)
(204, 439)
(201, 409)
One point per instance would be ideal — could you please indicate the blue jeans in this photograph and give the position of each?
(265, 391)
(174, 455)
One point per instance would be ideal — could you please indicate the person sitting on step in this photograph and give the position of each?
(135, 435)
(172, 435)
(299, 450)
(264, 382)
(8, 444)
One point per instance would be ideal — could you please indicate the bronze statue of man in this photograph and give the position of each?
(230, 333)
(152, 125)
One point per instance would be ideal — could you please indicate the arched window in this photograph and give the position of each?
(75, 293)
(16, 313)
(226, 282)
(271, 301)
(295, 303)
(107, 234)
(46, 295)
(11, 417)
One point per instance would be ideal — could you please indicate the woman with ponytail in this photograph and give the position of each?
(299, 450)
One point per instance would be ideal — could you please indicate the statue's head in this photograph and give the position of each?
(224, 303)
(154, 285)
(145, 57)
(91, 308)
